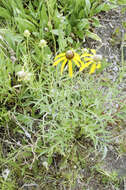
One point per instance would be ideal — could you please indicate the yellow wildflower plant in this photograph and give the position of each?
(69, 58)
(91, 59)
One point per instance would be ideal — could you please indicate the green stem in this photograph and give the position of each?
(29, 57)
(50, 26)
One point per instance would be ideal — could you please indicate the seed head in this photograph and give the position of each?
(24, 75)
(27, 33)
(69, 54)
(42, 43)
(97, 57)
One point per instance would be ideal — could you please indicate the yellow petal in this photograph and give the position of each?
(76, 54)
(63, 65)
(58, 61)
(85, 65)
(70, 68)
(82, 68)
(93, 68)
(88, 63)
(87, 59)
(60, 55)
(93, 51)
(86, 55)
(77, 57)
(76, 62)
(98, 66)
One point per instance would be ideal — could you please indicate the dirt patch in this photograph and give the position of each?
(113, 47)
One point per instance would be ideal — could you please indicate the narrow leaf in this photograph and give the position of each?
(93, 36)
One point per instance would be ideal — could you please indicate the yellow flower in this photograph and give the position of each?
(91, 59)
(69, 57)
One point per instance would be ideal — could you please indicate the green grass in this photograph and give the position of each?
(50, 124)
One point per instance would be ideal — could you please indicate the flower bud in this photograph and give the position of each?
(42, 43)
(13, 58)
(27, 33)
(24, 75)
(97, 57)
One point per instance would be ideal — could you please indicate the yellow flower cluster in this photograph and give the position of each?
(70, 57)
(91, 59)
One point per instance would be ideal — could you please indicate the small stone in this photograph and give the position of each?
(5, 173)
(45, 164)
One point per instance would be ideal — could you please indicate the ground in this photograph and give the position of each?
(112, 34)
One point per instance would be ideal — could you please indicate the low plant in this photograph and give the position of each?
(50, 124)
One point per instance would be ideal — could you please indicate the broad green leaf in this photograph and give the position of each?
(93, 36)
(84, 23)
(87, 7)
(55, 32)
(122, 2)
(24, 24)
(96, 22)
(4, 13)
(43, 16)
(98, 9)
(108, 7)
(11, 37)
(102, 7)
(7, 4)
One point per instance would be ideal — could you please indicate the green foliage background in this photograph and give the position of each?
(50, 118)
